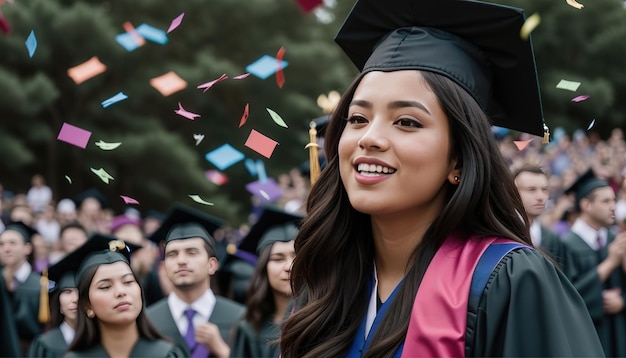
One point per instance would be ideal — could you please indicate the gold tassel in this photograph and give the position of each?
(314, 160)
(546, 134)
(44, 304)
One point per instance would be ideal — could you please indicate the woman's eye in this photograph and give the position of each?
(408, 122)
(129, 282)
(356, 119)
(104, 288)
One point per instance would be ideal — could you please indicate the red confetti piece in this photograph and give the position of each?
(280, 76)
(244, 117)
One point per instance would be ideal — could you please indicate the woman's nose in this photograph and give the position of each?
(374, 138)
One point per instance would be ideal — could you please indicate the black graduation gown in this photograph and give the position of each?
(48, 345)
(10, 342)
(225, 315)
(251, 344)
(551, 245)
(582, 272)
(25, 306)
(529, 308)
(143, 348)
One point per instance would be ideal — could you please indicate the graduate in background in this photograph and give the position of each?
(63, 315)
(532, 184)
(111, 315)
(192, 316)
(10, 346)
(269, 294)
(597, 257)
(413, 243)
(23, 286)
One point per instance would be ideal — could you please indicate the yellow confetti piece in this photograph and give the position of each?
(574, 4)
(104, 176)
(107, 146)
(276, 118)
(529, 25)
(199, 200)
(68, 179)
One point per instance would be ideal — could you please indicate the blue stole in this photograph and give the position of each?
(360, 344)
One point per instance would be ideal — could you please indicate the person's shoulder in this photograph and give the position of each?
(227, 303)
(524, 262)
(158, 306)
(157, 348)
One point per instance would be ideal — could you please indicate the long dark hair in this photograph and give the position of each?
(87, 329)
(260, 305)
(330, 293)
(56, 317)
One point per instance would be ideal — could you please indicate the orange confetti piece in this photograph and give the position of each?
(86, 70)
(280, 76)
(522, 144)
(168, 83)
(134, 34)
(244, 117)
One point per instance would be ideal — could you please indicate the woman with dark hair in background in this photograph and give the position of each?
(269, 292)
(111, 315)
(414, 243)
(63, 312)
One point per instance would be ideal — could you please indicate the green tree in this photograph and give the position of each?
(158, 162)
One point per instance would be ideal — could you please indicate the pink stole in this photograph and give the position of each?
(439, 315)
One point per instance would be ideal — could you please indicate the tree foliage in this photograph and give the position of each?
(158, 162)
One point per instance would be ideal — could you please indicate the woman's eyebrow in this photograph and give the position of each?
(403, 104)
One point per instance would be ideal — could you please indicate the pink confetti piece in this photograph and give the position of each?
(244, 117)
(175, 23)
(580, 98)
(522, 144)
(241, 77)
(184, 113)
(129, 200)
(208, 85)
(74, 135)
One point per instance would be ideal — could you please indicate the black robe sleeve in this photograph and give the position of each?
(529, 308)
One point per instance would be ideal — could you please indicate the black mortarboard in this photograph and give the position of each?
(99, 249)
(584, 185)
(26, 231)
(274, 225)
(91, 193)
(183, 222)
(473, 43)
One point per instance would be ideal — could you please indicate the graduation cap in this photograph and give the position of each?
(183, 222)
(274, 225)
(99, 249)
(124, 219)
(91, 193)
(26, 231)
(475, 44)
(584, 185)
(155, 214)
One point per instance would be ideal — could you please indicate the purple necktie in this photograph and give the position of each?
(197, 350)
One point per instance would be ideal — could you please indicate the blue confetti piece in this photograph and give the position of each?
(31, 44)
(127, 41)
(224, 156)
(152, 33)
(265, 66)
(260, 168)
(251, 166)
(117, 98)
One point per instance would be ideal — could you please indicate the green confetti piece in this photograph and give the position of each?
(104, 176)
(199, 200)
(568, 85)
(107, 146)
(277, 119)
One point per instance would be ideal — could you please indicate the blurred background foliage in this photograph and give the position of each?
(158, 162)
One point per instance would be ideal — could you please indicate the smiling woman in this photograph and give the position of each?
(413, 243)
(110, 310)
